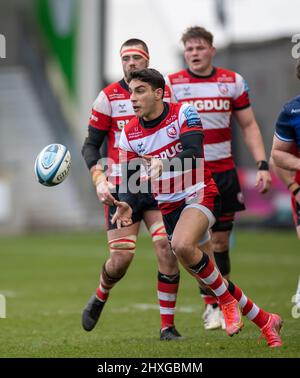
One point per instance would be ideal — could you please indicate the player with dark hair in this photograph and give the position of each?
(168, 140)
(112, 110)
(218, 94)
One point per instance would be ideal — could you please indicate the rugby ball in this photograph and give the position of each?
(52, 165)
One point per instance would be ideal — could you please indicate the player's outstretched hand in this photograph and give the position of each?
(263, 181)
(103, 192)
(123, 214)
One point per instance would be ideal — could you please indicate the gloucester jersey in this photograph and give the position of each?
(163, 141)
(111, 111)
(215, 97)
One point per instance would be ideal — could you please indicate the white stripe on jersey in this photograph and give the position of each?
(192, 90)
(116, 170)
(102, 105)
(211, 121)
(174, 197)
(217, 151)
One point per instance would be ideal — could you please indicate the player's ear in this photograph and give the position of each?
(159, 93)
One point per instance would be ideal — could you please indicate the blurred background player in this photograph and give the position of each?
(111, 111)
(286, 156)
(286, 151)
(172, 140)
(217, 94)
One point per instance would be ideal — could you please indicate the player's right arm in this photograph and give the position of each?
(99, 124)
(130, 168)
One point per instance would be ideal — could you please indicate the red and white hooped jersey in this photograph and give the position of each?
(111, 111)
(163, 141)
(215, 97)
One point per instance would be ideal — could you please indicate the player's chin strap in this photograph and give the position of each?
(158, 231)
(123, 244)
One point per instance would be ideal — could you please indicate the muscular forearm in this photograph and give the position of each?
(285, 160)
(254, 141)
(287, 177)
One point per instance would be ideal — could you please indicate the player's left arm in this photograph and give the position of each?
(255, 144)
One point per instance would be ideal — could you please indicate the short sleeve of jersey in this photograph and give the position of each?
(241, 96)
(169, 94)
(284, 129)
(189, 119)
(100, 117)
(126, 153)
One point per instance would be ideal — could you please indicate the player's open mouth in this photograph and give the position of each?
(136, 108)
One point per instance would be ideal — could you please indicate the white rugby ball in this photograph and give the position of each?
(52, 164)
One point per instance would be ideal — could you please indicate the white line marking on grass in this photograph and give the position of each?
(151, 306)
(8, 293)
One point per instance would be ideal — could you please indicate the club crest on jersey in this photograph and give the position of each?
(171, 131)
(223, 88)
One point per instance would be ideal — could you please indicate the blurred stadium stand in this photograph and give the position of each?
(31, 117)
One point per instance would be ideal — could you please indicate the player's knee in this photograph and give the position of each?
(121, 253)
(164, 254)
(182, 248)
(220, 242)
(119, 263)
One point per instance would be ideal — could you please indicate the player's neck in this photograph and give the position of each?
(156, 113)
(203, 72)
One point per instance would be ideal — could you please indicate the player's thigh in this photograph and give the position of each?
(123, 232)
(190, 228)
(155, 225)
(122, 244)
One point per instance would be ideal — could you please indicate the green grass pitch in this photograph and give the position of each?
(47, 280)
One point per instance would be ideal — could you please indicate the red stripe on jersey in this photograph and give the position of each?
(185, 128)
(125, 156)
(100, 121)
(168, 151)
(221, 75)
(179, 183)
(220, 165)
(242, 101)
(210, 104)
(217, 135)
